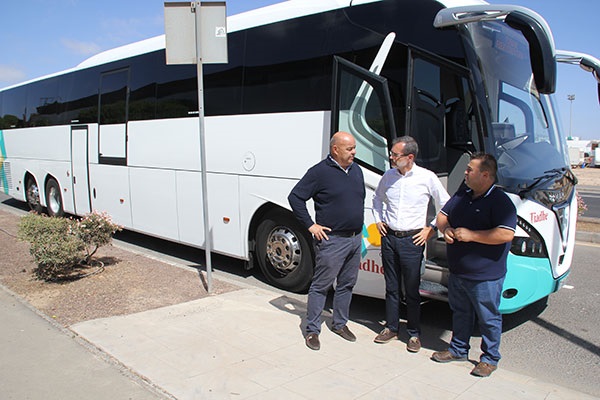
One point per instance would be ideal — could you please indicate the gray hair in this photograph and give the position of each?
(410, 145)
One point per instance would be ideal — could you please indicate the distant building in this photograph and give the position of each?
(580, 151)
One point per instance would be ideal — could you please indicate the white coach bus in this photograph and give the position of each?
(119, 132)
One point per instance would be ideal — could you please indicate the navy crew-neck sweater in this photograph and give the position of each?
(339, 197)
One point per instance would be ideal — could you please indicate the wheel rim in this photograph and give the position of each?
(33, 195)
(54, 200)
(283, 250)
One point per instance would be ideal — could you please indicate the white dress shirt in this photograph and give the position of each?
(401, 200)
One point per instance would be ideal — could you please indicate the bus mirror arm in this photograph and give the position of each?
(587, 62)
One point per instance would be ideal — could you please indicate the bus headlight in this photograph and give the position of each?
(532, 246)
(523, 246)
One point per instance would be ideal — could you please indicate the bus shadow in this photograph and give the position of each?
(529, 313)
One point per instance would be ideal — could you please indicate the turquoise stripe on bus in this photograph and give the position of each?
(3, 178)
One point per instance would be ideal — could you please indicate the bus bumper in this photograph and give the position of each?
(527, 280)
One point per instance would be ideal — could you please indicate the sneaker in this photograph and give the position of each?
(483, 369)
(345, 333)
(385, 336)
(413, 345)
(445, 356)
(312, 341)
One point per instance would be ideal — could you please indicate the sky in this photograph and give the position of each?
(40, 37)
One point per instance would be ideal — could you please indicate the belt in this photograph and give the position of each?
(401, 234)
(343, 233)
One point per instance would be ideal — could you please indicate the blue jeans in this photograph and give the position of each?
(402, 267)
(470, 300)
(335, 259)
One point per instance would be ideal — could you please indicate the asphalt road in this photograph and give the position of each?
(556, 341)
(591, 197)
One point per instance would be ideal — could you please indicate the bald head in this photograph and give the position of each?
(342, 148)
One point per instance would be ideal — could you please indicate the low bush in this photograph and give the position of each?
(59, 245)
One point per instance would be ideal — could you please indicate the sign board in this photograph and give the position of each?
(181, 20)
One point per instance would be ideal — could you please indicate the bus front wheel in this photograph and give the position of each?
(284, 252)
(54, 199)
(32, 196)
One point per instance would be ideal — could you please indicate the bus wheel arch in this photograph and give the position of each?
(54, 203)
(32, 194)
(283, 249)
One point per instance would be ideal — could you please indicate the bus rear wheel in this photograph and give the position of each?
(32, 196)
(284, 252)
(54, 199)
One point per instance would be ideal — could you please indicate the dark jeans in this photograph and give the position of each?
(470, 300)
(402, 268)
(335, 259)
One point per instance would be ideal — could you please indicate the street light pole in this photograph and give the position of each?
(571, 97)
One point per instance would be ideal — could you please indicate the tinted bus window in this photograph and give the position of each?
(80, 93)
(145, 74)
(282, 72)
(176, 93)
(43, 103)
(223, 82)
(113, 97)
(14, 108)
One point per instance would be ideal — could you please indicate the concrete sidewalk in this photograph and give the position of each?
(40, 360)
(248, 344)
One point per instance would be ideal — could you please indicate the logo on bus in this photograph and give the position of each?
(538, 217)
(369, 265)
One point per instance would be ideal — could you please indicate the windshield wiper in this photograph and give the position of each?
(551, 173)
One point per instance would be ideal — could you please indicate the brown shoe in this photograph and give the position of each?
(483, 369)
(445, 356)
(345, 333)
(312, 341)
(413, 345)
(385, 336)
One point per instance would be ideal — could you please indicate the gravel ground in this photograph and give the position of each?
(128, 284)
(587, 176)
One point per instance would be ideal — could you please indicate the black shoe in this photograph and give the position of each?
(345, 333)
(312, 341)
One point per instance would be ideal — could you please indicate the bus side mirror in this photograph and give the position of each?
(541, 50)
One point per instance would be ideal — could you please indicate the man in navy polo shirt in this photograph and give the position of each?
(478, 224)
(337, 187)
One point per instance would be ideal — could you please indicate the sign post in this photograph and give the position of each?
(196, 33)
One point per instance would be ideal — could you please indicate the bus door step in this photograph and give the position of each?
(433, 290)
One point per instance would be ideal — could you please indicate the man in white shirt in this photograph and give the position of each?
(400, 210)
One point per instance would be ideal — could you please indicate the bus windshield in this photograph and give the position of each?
(524, 134)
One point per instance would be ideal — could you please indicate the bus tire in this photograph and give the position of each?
(54, 199)
(32, 196)
(284, 252)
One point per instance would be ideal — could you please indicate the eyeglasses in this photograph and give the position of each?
(398, 155)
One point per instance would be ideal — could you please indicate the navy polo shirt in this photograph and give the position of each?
(339, 196)
(478, 261)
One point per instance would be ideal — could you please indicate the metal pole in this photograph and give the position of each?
(571, 97)
(207, 233)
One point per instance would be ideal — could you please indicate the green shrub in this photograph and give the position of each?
(59, 245)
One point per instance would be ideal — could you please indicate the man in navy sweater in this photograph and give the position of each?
(336, 185)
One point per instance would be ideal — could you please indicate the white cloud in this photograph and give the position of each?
(10, 75)
(81, 48)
